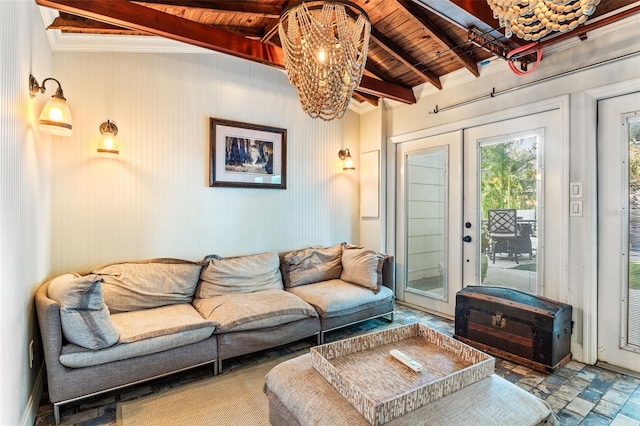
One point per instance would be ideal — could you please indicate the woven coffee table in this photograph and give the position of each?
(299, 395)
(381, 388)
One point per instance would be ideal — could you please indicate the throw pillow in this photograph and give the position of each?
(132, 286)
(242, 274)
(84, 317)
(362, 266)
(312, 265)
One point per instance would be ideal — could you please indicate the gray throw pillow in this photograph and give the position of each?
(242, 274)
(132, 286)
(84, 316)
(362, 266)
(312, 265)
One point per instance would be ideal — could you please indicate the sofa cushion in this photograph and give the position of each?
(242, 274)
(84, 317)
(362, 266)
(336, 297)
(74, 356)
(262, 309)
(147, 323)
(311, 265)
(131, 286)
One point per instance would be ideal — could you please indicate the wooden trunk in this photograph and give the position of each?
(529, 330)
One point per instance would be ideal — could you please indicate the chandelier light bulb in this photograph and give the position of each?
(322, 56)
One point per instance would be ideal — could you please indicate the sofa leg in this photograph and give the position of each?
(56, 413)
(218, 366)
(321, 338)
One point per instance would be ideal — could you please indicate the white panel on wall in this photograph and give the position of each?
(24, 207)
(153, 200)
(373, 138)
(370, 184)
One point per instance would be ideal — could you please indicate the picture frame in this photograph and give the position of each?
(245, 155)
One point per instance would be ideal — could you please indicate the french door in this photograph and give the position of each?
(428, 216)
(619, 231)
(441, 209)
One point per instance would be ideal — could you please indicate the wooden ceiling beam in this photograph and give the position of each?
(394, 50)
(379, 72)
(72, 23)
(364, 97)
(420, 18)
(382, 89)
(123, 13)
(263, 10)
(272, 28)
(67, 22)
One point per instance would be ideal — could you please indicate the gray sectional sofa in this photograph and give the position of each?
(128, 322)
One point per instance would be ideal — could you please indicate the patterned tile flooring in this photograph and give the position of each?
(579, 394)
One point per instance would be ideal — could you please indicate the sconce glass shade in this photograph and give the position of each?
(108, 143)
(345, 156)
(55, 117)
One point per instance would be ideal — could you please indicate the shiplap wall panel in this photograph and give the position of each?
(153, 200)
(24, 205)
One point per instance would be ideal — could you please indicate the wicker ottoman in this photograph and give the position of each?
(298, 395)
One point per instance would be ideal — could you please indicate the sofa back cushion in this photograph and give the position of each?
(242, 274)
(362, 266)
(131, 286)
(84, 317)
(311, 265)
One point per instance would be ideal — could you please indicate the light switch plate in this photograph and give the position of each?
(575, 190)
(575, 208)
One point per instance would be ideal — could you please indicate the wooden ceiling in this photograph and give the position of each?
(412, 42)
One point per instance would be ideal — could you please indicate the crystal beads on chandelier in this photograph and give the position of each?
(533, 19)
(325, 51)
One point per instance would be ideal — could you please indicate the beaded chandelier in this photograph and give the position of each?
(533, 19)
(325, 50)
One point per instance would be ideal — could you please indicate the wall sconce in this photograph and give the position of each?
(345, 156)
(108, 143)
(55, 117)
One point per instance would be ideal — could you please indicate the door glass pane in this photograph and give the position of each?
(426, 186)
(633, 317)
(509, 209)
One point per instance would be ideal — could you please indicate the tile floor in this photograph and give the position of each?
(580, 394)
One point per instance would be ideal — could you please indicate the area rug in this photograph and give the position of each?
(233, 398)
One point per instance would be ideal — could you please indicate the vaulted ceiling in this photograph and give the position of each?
(412, 42)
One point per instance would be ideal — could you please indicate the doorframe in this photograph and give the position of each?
(590, 295)
(560, 103)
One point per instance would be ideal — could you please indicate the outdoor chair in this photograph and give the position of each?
(503, 233)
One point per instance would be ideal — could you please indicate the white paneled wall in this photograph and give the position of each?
(373, 138)
(24, 207)
(153, 200)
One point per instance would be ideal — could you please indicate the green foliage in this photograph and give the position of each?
(509, 175)
(484, 266)
(634, 275)
(634, 131)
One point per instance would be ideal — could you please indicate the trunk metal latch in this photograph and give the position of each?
(497, 320)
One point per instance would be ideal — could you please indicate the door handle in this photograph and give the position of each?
(467, 239)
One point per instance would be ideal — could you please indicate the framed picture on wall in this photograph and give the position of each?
(244, 155)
